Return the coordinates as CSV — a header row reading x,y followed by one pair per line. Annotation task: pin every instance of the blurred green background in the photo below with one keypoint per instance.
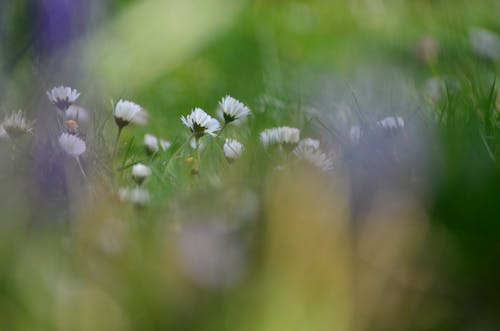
x,y
305,254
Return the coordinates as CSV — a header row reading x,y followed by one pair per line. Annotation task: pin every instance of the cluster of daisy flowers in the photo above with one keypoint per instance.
x,y
69,119
483,43
199,124
15,125
287,140
390,124
231,112
137,195
71,139
234,112
284,141
69,116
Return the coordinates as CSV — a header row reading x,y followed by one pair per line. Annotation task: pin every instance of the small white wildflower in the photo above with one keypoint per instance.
x,y
314,157
355,134
16,125
137,196
485,43
72,145
269,137
280,135
309,150
127,112
391,123
165,144
153,144
308,143
77,113
63,97
232,110
140,172
435,89
287,135
232,149
200,123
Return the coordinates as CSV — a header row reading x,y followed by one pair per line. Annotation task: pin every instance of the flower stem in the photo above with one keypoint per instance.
x,y
115,149
222,129
198,157
174,155
58,118
80,167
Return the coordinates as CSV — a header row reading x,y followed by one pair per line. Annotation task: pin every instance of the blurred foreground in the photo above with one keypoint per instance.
x,y
383,215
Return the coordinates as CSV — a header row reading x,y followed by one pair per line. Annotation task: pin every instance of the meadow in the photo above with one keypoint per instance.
x,y
250,165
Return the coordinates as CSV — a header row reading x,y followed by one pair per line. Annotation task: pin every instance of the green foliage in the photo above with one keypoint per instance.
x,y
403,235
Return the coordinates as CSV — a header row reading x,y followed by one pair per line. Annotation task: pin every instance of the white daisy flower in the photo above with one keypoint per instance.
x,y
153,144
63,97
288,136
201,123
309,150
127,112
72,145
269,137
77,113
232,149
435,89
314,157
232,110
308,143
355,134
485,43
16,125
140,172
283,135
165,144
137,196
391,123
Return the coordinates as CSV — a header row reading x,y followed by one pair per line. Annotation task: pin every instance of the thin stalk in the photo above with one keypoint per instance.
x,y
59,125
177,152
80,167
222,129
115,149
198,156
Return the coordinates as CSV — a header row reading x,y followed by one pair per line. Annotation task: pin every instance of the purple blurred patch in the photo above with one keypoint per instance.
x,y
59,23
50,185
